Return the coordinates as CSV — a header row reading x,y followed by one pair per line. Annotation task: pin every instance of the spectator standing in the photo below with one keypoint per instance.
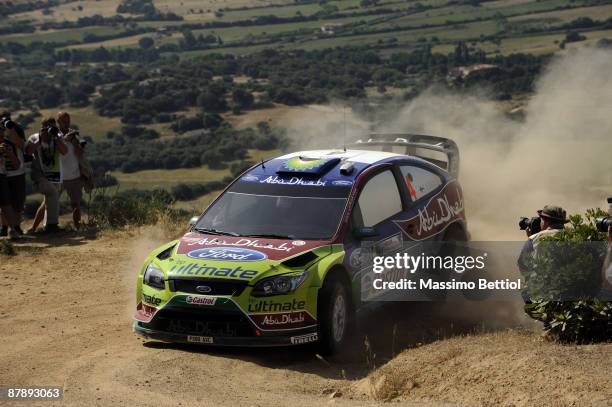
x,y
14,138
7,158
71,168
47,148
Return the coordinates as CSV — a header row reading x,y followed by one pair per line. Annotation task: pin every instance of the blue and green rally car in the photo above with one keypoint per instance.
x,y
275,259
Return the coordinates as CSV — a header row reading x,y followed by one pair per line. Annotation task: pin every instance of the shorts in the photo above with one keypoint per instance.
x,y
17,186
74,188
5,196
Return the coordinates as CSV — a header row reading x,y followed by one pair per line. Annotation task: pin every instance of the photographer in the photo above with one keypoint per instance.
x,y
552,221
71,182
47,148
10,160
14,137
606,288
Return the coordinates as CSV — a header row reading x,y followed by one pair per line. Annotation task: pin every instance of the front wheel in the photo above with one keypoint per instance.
x,y
335,314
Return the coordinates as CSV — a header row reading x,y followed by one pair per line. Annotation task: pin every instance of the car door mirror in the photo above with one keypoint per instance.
x,y
193,220
364,232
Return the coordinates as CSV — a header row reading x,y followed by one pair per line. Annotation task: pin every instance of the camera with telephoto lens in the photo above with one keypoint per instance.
x,y
604,222
8,124
53,131
532,223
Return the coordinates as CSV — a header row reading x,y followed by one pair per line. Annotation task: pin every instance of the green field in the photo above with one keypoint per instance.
x,y
166,179
72,34
443,22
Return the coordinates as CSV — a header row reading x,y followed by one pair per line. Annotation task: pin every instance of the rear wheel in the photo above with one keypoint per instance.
x,y
334,314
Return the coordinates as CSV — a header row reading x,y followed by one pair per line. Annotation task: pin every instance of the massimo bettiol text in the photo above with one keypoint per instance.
x,y
403,271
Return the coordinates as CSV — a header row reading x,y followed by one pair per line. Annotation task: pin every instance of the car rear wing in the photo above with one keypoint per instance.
x,y
440,151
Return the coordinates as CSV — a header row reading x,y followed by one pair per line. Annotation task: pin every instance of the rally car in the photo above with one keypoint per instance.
x,y
275,259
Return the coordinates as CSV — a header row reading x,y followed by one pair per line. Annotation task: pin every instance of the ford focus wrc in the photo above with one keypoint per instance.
x,y
275,259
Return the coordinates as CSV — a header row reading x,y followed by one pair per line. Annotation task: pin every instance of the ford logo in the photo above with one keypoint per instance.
x,y
203,289
227,254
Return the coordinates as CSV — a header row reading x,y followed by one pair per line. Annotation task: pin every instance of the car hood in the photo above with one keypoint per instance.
x,y
229,257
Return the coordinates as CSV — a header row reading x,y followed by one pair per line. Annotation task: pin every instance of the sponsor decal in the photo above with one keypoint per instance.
x,y
436,215
199,339
227,254
299,163
298,243
200,300
342,183
254,243
298,340
148,311
356,258
272,306
151,299
273,179
287,320
250,178
204,270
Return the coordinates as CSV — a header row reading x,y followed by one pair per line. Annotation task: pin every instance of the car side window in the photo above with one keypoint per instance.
x,y
420,182
379,199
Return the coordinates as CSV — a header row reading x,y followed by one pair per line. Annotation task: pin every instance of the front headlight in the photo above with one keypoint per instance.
x,y
279,285
154,277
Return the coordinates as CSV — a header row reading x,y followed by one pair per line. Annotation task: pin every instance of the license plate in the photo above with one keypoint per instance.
x,y
199,339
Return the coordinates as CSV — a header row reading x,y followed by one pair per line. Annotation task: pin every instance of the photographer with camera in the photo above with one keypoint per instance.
x,y
72,182
8,159
550,221
14,138
605,224
47,147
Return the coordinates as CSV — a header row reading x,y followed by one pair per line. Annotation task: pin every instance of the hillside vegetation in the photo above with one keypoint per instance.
x,y
206,87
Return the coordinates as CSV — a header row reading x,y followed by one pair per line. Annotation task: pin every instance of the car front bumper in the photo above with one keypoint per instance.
x,y
294,337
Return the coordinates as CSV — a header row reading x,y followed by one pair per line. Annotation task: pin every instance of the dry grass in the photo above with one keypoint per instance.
x,y
89,122
504,368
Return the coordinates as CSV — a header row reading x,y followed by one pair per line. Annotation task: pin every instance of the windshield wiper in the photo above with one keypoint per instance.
x,y
215,232
271,236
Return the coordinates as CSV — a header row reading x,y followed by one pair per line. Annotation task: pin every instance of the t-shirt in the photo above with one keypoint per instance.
x,y
12,171
47,162
70,162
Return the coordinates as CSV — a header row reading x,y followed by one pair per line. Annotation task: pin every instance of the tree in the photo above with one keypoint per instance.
x,y
212,102
146,42
212,120
189,40
243,98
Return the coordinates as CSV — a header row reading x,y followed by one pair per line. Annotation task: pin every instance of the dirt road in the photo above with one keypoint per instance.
x,y
65,318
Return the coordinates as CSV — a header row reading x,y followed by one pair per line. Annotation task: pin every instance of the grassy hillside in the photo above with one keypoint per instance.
x,y
242,25
134,78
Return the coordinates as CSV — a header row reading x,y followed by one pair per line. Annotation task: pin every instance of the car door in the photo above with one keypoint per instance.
x,y
379,204
421,185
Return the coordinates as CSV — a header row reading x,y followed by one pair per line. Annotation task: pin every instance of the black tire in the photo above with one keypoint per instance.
x,y
335,315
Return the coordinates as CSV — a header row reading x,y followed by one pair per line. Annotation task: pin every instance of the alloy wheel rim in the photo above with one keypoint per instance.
x,y
339,318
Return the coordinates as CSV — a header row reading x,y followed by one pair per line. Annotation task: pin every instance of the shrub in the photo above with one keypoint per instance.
x,y
572,272
7,248
130,207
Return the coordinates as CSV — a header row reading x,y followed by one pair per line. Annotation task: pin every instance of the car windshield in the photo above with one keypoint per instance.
x,y
276,211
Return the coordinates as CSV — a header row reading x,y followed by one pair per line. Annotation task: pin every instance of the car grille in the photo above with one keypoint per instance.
x,y
216,287
201,322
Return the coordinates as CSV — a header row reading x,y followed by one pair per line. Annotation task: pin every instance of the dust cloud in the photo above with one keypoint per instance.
x,y
140,242
559,154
